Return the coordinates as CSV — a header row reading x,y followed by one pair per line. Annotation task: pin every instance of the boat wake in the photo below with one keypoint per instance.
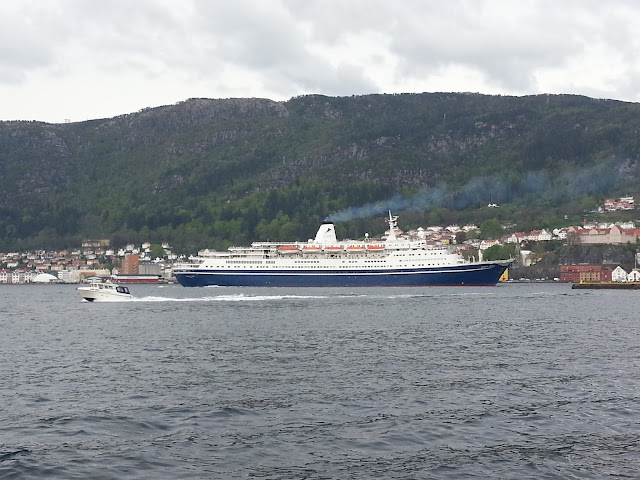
x,y
285,297
108,300
228,298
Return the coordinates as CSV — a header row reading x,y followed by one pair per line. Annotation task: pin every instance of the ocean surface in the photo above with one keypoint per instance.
x,y
518,381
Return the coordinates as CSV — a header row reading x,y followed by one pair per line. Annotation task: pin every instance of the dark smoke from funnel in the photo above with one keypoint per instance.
x,y
498,188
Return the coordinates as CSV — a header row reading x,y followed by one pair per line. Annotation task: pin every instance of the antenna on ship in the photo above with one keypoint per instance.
x,y
393,226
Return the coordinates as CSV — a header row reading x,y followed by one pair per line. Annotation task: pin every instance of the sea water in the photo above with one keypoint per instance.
x,y
518,381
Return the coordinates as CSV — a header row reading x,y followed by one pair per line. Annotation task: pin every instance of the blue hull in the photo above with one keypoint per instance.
x,y
468,275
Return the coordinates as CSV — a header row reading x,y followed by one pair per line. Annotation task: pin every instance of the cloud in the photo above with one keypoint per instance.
x,y
23,45
154,52
504,46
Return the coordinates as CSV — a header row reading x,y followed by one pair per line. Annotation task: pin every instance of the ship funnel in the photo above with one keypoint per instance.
x,y
326,235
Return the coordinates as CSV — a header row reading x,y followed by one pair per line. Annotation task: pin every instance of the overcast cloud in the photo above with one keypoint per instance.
x,y
79,59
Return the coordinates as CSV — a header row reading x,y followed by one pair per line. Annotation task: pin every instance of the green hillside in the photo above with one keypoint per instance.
x,y
219,172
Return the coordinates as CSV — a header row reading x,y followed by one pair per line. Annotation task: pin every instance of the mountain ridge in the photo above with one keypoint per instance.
x,y
211,170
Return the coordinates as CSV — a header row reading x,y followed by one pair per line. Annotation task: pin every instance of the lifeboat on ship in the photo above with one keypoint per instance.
x,y
311,249
355,248
288,249
334,249
375,248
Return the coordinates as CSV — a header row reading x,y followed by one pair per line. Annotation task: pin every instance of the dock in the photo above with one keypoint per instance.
x,y
607,285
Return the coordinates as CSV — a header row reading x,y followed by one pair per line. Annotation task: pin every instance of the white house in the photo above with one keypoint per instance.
x,y
539,235
516,237
533,235
544,235
5,274
634,276
626,225
20,276
619,274
560,233
488,243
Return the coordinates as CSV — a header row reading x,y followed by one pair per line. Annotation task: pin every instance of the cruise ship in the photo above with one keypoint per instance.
x,y
327,262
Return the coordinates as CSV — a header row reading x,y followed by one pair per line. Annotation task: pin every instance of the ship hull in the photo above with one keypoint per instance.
x,y
461,275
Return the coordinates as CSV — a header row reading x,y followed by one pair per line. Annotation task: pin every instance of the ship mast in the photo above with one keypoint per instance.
x,y
393,227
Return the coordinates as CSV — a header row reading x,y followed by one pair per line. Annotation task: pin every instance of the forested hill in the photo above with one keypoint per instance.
x,y
217,172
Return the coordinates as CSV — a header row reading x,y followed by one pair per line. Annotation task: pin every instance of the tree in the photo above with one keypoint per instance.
x,y
573,238
491,229
500,252
157,251
588,204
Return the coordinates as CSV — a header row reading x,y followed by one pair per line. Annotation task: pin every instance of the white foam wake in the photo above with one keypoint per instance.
x,y
227,298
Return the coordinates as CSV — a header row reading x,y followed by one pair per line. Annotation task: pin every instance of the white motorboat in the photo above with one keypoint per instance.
x,y
105,292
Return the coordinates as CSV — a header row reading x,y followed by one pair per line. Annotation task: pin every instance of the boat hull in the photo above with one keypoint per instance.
x,y
461,275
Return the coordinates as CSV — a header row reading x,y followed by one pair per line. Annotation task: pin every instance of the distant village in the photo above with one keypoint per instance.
x,y
136,264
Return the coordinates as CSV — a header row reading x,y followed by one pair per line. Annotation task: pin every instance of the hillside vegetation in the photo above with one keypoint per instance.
x,y
210,173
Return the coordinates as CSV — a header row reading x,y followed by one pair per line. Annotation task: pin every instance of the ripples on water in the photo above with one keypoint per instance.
x,y
517,381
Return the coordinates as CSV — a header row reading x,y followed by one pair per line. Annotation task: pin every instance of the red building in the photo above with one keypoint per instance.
x,y
585,273
130,265
120,278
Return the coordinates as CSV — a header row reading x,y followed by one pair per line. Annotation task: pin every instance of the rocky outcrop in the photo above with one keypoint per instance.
x,y
550,266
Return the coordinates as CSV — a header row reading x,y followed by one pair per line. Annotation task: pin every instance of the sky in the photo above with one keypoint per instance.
x,y
76,60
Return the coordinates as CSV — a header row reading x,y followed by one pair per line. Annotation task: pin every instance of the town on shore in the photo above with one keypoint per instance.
x,y
147,263
95,258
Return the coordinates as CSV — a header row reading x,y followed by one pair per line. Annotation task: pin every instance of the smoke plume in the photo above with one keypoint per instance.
x,y
494,189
